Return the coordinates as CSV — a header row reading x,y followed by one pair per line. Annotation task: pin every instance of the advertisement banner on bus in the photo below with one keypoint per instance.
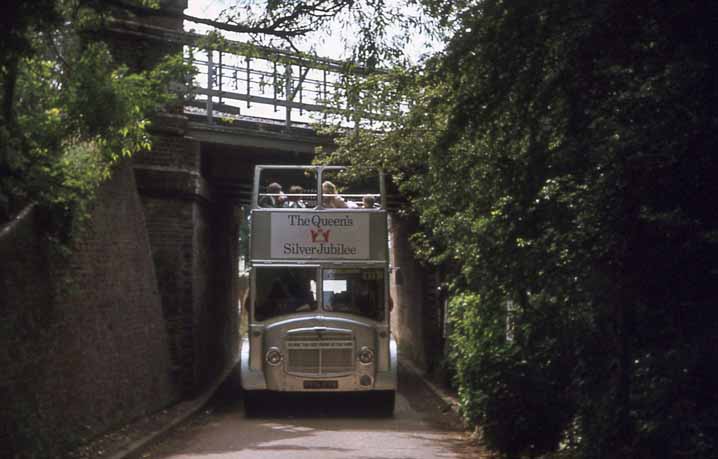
x,y
320,235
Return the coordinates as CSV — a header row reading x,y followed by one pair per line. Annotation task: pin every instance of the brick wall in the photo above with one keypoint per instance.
x,y
173,152
218,302
136,43
170,227
193,235
83,344
416,318
211,296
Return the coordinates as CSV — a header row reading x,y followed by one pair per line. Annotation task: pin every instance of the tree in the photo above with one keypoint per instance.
x,y
560,157
70,112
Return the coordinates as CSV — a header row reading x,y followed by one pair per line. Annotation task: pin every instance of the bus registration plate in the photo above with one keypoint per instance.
x,y
321,384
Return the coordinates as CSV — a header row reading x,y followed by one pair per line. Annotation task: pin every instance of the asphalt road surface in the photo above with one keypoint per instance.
x,y
318,427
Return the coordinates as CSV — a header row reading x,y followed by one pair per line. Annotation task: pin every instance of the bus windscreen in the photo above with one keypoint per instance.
x,y
358,291
281,291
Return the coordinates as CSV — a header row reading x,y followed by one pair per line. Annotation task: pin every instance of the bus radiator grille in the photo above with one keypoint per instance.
x,y
320,358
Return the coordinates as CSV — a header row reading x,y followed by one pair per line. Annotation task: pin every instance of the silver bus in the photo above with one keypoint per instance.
x,y
319,299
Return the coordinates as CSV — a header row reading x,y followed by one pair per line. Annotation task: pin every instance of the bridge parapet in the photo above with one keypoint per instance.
x,y
237,81
268,84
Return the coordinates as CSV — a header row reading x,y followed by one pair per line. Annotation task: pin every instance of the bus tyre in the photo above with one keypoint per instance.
x,y
252,403
384,402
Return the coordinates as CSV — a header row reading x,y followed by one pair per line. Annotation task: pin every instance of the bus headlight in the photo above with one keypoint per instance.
x,y
366,355
274,357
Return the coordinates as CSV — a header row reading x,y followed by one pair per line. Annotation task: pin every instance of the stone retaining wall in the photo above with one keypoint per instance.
x,y
83,343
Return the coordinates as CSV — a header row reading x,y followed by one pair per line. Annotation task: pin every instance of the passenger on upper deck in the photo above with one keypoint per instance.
x,y
293,200
273,188
368,201
333,200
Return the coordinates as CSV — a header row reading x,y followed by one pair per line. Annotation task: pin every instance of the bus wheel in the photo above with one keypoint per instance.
x,y
252,403
384,402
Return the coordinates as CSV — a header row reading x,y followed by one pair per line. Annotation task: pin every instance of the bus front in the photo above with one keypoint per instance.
x,y
319,287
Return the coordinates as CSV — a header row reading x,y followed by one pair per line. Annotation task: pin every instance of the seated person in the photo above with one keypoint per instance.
x,y
276,199
330,198
368,201
275,303
300,296
341,302
293,201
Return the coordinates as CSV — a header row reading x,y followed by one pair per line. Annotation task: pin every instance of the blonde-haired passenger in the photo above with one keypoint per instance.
x,y
330,198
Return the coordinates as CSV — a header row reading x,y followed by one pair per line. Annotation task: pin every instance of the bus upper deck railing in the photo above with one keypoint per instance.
x,y
315,187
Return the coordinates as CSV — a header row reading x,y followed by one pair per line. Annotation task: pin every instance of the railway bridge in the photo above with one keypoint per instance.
x,y
146,311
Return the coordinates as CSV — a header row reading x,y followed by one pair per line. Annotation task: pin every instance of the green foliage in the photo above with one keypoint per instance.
x,y
375,31
561,155
514,369
72,113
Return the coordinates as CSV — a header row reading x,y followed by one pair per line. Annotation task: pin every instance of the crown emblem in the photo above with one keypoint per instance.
x,y
320,235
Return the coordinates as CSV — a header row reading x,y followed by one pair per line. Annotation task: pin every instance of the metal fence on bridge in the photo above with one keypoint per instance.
x,y
278,86
235,80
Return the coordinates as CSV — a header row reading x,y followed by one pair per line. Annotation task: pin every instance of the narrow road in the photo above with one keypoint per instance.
x,y
318,427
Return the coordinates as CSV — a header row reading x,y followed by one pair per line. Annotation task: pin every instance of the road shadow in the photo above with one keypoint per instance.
x,y
415,397
310,425
317,405
230,397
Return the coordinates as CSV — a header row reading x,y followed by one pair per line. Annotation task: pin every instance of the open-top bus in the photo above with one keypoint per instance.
x,y
319,286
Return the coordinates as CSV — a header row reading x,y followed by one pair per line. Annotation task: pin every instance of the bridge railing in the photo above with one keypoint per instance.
x,y
235,80
276,85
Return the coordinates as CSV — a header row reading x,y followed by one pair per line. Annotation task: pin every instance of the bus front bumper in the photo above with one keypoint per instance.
x,y
253,380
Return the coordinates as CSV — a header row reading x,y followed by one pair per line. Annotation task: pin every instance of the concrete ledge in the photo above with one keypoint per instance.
x,y
8,228
258,136
449,401
191,407
120,448
171,182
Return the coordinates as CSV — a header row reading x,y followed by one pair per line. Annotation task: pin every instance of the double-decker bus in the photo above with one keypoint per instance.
x,y
319,287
